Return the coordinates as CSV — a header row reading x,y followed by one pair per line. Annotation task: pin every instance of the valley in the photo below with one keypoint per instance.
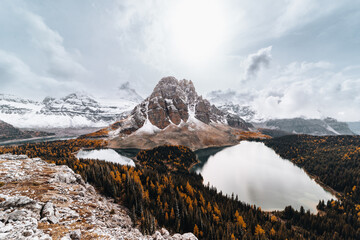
x,y
179,200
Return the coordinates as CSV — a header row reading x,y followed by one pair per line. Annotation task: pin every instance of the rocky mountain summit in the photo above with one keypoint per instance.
x,y
39,200
173,102
174,113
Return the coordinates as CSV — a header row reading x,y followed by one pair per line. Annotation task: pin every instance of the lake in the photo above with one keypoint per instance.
x,y
108,155
259,176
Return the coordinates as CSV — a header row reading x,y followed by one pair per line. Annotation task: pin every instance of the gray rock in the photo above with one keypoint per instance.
x,y
164,232
188,236
157,236
16,215
49,213
16,201
185,236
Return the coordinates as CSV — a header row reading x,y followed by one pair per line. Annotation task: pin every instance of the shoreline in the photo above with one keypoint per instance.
x,y
323,185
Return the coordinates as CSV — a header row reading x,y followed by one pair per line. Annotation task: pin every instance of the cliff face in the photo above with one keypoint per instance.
x,y
175,114
173,102
43,201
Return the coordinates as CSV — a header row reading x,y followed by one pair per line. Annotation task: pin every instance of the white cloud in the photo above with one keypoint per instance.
x,y
17,76
61,63
304,89
256,61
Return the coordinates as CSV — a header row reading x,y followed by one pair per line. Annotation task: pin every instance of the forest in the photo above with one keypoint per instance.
x,y
161,192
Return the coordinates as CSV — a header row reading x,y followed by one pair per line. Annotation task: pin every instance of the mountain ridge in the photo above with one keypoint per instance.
x,y
232,101
73,110
9,132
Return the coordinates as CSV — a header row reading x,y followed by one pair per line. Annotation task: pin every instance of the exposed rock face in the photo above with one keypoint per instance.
x,y
36,203
173,101
175,113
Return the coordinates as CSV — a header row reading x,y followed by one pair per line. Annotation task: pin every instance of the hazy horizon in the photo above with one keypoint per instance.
x,y
283,58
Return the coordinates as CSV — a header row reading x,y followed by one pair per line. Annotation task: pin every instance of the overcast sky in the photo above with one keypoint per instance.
x,y
287,58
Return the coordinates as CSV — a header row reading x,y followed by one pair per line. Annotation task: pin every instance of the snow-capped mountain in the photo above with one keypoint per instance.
x,y
73,110
174,113
319,127
125,92
174,102
235,103
232,102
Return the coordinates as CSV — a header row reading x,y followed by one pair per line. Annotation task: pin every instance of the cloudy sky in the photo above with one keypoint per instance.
x,y
284,58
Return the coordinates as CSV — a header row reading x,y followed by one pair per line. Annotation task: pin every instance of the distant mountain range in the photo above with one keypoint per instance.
x,y
175,114
72,111
319,127
224,100
172,106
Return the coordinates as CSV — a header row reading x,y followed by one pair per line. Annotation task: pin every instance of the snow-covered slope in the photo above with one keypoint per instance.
x,y
73,110
319,127
235,103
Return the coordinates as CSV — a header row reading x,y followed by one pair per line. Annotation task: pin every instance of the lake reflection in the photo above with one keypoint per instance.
x,y
259,176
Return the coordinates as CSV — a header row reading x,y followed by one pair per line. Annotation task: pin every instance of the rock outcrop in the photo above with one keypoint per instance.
x,y
174,113
173,102
43,201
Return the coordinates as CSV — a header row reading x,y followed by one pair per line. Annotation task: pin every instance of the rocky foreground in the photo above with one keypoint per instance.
x,y
39,200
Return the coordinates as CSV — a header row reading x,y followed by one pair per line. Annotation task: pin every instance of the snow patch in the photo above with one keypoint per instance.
x,y
332,130
147,128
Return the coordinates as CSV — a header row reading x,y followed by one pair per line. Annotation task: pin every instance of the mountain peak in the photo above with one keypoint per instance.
x,y
174,108
173,101
126,92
